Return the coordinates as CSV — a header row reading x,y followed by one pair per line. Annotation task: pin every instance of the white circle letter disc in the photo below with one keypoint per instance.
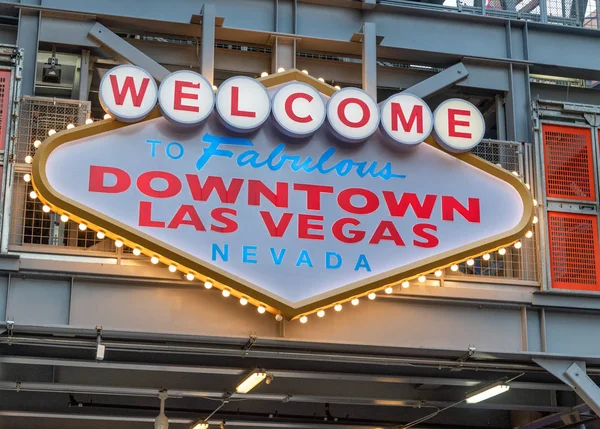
x,y
186,97
128,93
352,114
298,109
459,126
406,119
243,104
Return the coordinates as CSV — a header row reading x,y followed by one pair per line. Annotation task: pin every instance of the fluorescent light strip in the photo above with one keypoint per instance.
x,y
250,382
488,393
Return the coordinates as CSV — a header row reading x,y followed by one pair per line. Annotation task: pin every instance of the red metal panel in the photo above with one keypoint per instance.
x,y
574,256
568,162
4,99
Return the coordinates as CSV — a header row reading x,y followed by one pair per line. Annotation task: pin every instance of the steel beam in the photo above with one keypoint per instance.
x,y
27,39
85,74
113,43
584,386
573,373
440,81
207,64
369,59
283,54
278,373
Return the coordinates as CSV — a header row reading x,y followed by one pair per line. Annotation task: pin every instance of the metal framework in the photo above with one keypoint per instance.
x,y
382,364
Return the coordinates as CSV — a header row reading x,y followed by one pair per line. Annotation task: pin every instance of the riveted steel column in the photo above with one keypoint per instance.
x,y
207,62
369,59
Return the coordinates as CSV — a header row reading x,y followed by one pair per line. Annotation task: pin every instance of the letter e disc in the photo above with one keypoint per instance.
x,y
406,119
186,98
352,114
298,109
243,104
458,125
128,93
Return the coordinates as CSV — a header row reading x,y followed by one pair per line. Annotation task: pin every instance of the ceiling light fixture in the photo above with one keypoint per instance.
x,y
487,392
251,381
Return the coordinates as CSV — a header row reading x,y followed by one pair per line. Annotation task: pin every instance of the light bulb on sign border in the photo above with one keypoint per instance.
x,y
100,235
27,177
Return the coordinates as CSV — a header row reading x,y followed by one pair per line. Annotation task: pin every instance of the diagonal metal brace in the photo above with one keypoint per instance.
x,y
439,81
113,43
574,375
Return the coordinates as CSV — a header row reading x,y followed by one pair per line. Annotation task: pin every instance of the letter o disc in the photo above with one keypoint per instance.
x,y
467,131
128,93
352,114
397,111
243,104
298,109
186,98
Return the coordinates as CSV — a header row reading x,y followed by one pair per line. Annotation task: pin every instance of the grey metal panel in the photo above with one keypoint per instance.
x,y
476,39
572,333
35,301
176,309
565,93
316,20
392,323
533,331
256,14
518,50
489,76
67,32
8,35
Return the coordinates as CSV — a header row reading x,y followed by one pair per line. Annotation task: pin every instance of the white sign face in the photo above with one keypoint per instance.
x,y
298,109
459,126
186,98
352,114
294,225
128,93
243,104
406,119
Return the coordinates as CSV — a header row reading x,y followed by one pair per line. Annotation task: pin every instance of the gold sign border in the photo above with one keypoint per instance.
x,y
239,287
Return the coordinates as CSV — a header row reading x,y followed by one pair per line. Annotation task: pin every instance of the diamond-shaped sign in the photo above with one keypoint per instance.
x,y
294,225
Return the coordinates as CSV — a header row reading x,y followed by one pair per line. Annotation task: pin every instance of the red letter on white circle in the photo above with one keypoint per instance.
x,y
352,114
406,119
459,125
128,93
243,104
186,97
298,109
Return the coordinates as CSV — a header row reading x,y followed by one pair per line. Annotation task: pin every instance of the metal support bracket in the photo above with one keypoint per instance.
x,y
439,81
109,40
573,373
207,57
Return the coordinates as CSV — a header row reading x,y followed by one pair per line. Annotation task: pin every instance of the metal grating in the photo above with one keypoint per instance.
x,y
568,162
33,229
574,257
4,109
517,264
38,115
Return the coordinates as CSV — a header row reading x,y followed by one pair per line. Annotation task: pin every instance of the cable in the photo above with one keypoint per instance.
x,y
435,413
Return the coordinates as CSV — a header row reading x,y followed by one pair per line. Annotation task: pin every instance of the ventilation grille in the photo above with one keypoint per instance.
x,y
568,163
4,108
574,255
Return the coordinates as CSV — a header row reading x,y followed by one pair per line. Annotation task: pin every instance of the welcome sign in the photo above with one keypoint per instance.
x,y
282,191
